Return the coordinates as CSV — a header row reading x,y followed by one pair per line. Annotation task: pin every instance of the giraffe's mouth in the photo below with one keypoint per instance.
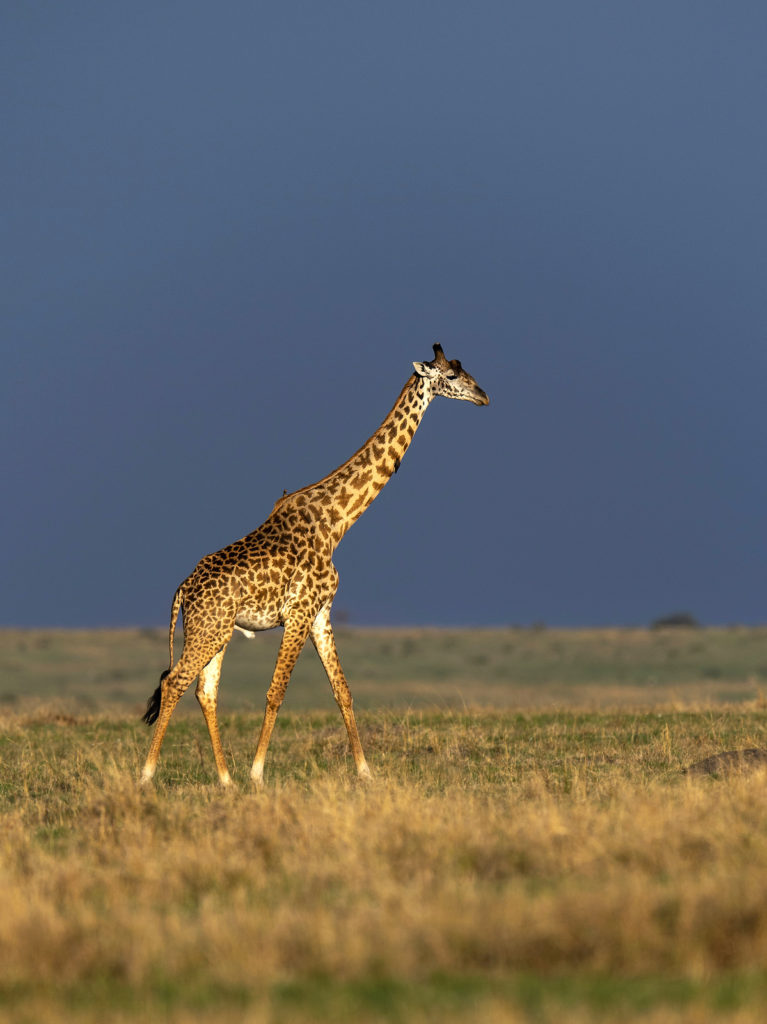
x,y
481,398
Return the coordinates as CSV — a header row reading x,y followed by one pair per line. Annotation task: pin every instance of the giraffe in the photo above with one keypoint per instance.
x,y
282,574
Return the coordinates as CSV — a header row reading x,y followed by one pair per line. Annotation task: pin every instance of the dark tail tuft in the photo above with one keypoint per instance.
x,y
153,704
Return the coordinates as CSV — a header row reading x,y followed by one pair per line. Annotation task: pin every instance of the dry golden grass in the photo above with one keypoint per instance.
x,y
500,867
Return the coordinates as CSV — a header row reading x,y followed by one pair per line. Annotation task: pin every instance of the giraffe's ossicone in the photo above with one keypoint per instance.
x,y
282,574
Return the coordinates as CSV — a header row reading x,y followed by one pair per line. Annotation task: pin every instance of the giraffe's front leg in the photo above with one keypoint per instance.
x,y
322,637
293,639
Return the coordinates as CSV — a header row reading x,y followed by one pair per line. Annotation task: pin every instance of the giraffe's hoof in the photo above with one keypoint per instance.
x,y
363,774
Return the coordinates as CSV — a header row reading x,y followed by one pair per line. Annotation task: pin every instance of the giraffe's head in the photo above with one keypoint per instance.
x,y
448,378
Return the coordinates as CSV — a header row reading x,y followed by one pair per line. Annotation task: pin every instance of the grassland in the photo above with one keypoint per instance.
x,y
529,849
416,668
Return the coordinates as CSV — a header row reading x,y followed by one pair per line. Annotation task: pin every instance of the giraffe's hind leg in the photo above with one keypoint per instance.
x,y
193,659
207,696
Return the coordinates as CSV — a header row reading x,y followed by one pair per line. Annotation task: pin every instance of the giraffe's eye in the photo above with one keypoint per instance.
x,y
450,375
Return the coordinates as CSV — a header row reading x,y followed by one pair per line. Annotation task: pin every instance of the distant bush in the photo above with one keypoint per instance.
x,y
677,620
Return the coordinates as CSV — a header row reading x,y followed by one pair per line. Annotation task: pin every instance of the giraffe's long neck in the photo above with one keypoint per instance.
x,y
338,500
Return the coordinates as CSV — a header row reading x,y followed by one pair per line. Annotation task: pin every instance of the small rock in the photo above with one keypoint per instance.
x,y
730,761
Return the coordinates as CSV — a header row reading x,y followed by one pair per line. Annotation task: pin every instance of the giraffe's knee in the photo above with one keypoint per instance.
x,y
275,695
345,702
205,688
343,696
207,699
173,685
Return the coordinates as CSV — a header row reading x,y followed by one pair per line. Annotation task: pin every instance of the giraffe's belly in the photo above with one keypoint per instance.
x,y
252,621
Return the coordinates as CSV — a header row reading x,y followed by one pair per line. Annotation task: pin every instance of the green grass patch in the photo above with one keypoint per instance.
x,y
528,998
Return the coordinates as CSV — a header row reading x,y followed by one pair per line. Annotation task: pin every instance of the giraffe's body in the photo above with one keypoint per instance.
x,y
282,574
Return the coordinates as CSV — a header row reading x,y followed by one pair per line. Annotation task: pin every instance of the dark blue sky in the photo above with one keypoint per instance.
x,y
229,229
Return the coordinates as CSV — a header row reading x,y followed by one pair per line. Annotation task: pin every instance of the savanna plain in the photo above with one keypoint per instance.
x,y
529,849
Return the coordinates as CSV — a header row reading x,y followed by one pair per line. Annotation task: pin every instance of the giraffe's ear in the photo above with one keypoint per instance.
x,y
424,370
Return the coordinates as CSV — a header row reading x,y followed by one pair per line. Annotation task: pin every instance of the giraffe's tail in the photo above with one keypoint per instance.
x,y
153,704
